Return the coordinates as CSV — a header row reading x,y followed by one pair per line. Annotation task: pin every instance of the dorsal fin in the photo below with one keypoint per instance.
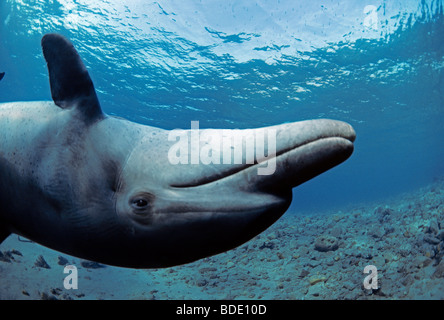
x,y
71,85
2,74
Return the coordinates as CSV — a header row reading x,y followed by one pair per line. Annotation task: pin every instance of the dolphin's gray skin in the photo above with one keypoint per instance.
x,y
101,188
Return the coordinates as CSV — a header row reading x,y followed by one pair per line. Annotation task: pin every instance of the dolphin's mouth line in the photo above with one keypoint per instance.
x,y
230,173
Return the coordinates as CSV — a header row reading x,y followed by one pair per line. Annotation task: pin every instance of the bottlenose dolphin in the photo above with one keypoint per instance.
x,y
101,188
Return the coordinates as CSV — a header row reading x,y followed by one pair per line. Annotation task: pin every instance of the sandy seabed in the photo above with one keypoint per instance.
x,y
316,256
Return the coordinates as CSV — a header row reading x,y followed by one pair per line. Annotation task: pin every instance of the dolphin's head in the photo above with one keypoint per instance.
x,y
190,194
137,196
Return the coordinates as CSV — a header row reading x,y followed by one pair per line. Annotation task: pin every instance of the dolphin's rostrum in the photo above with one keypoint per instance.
x,y
101,188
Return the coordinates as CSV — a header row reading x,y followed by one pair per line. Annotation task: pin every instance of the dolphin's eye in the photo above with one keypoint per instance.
x,y
139,203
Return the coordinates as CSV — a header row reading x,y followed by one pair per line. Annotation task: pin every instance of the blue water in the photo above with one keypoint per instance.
x,y
239,64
